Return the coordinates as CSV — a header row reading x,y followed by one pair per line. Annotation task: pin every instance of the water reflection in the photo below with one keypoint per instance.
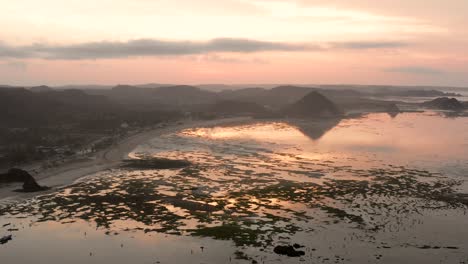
x,y
314,129
256,185
421,139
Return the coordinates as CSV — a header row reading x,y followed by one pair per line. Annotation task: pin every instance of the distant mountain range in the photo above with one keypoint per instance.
x,y
43,104
225,87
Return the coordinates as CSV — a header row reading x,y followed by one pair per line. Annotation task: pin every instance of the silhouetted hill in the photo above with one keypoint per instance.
x,y
332,93
215,87
283,95
169,97
227,107
132,97
180,89
152,85
189,98
425,93
245,94
23,108
313,104
79,100
40,89
127,92
184,95
290,91
444,103
413,92
19,106
276,97
83,87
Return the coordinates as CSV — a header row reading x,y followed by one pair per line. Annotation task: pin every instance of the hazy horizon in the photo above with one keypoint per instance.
x,y
221,86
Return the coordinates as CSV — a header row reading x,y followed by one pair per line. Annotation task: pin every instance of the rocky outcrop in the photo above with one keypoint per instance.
x,y
289,251
18,175
444,103
5,239
313,104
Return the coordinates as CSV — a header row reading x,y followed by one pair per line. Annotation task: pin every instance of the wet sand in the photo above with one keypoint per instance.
x,y
73,170
256,185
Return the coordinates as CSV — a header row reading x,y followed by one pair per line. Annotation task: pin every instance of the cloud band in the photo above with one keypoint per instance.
x,y
154,47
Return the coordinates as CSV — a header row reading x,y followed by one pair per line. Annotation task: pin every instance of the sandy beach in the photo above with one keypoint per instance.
x,y
70,171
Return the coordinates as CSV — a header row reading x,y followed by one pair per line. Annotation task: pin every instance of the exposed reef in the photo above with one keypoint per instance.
x,y
155,163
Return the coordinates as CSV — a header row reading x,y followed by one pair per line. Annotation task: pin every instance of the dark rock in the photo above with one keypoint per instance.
x,y
14,175
289,251
444,103
425,247
5,239
18,175
296,245
30,185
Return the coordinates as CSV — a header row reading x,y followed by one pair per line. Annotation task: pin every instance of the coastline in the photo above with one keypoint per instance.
x,y
71,171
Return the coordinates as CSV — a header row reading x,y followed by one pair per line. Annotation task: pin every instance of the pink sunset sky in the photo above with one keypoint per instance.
x,y
399,42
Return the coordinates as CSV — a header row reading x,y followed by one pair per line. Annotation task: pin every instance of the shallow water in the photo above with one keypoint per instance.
x,y
373,189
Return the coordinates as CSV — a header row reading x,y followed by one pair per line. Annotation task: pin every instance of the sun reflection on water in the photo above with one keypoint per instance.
x,y
257,185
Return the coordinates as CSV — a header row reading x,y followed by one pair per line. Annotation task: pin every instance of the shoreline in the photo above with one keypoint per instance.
x,y
71,171
81,167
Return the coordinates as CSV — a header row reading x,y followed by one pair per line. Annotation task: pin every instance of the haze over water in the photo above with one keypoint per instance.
x,y
369,189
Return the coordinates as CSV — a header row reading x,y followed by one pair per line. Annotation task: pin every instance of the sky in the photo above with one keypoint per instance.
x,y
395,42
